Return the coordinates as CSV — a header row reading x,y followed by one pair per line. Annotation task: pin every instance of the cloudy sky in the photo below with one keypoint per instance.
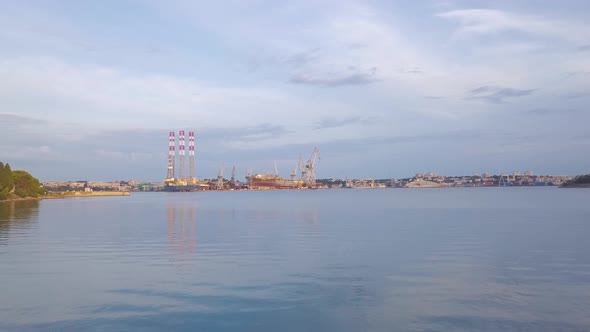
x,y
90,89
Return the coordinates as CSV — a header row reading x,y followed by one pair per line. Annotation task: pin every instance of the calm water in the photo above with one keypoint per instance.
x,y
473,259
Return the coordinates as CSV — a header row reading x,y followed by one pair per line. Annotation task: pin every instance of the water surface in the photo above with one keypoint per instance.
x,y
464,259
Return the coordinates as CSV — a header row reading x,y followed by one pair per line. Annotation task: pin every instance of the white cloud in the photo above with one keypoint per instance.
x,y
91,94
475,22
38,152
119,155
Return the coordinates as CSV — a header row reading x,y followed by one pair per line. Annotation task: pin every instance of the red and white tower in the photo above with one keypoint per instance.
x,y
191,154
181,150
172,144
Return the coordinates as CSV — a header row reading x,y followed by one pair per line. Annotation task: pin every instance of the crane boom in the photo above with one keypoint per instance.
x,y
310,176
220,177
294,173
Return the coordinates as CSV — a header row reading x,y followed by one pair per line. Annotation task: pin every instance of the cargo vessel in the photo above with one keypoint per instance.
x,y
420,183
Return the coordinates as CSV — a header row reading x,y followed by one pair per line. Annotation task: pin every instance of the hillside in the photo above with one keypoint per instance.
x,y
580,181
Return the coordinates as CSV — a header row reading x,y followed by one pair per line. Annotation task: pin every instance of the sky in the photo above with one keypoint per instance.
x,y
385,89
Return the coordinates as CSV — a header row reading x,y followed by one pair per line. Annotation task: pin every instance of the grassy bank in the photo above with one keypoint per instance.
x,y
68,194
17,199
77,194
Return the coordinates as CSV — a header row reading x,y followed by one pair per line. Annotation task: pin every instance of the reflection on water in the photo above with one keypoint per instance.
x,y
17,214
18,210
348,260
181,227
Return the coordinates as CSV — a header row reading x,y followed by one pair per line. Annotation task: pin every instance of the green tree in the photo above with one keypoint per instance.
x,y
3,177
20,183
6,180
26,185
580,179
3,182
10,178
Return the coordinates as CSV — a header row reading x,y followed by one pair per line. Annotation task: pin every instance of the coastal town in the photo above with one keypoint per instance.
x,y
420,180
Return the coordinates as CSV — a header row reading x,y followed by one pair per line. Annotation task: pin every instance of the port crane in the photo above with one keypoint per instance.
x,y
310,176
294,172
303,170
504,180
232,181
220,177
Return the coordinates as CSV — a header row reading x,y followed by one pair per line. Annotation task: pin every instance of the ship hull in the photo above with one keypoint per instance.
x,y
172,188
264,181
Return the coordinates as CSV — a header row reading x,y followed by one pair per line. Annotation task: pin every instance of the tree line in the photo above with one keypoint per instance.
x,y
581,179
18,184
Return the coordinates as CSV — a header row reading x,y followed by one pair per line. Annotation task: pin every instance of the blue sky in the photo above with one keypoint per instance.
x,y
90,90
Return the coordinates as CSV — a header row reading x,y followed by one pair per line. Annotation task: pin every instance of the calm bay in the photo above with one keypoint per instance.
x,y
456,259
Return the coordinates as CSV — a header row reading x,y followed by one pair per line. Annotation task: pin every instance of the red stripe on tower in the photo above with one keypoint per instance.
x,y
181,153
191,153
171,148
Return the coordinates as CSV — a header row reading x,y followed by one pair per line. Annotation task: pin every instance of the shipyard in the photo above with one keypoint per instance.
x,y
178,181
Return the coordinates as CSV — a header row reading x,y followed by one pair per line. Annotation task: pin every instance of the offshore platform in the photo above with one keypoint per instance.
x,y
182,182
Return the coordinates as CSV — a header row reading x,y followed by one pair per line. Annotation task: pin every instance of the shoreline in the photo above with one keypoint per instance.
x,y
79,194
21,199
346,188
576,185
82,194
71,194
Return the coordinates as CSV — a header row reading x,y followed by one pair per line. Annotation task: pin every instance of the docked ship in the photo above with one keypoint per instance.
x,y
272,181
180,188
173,185
420,183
